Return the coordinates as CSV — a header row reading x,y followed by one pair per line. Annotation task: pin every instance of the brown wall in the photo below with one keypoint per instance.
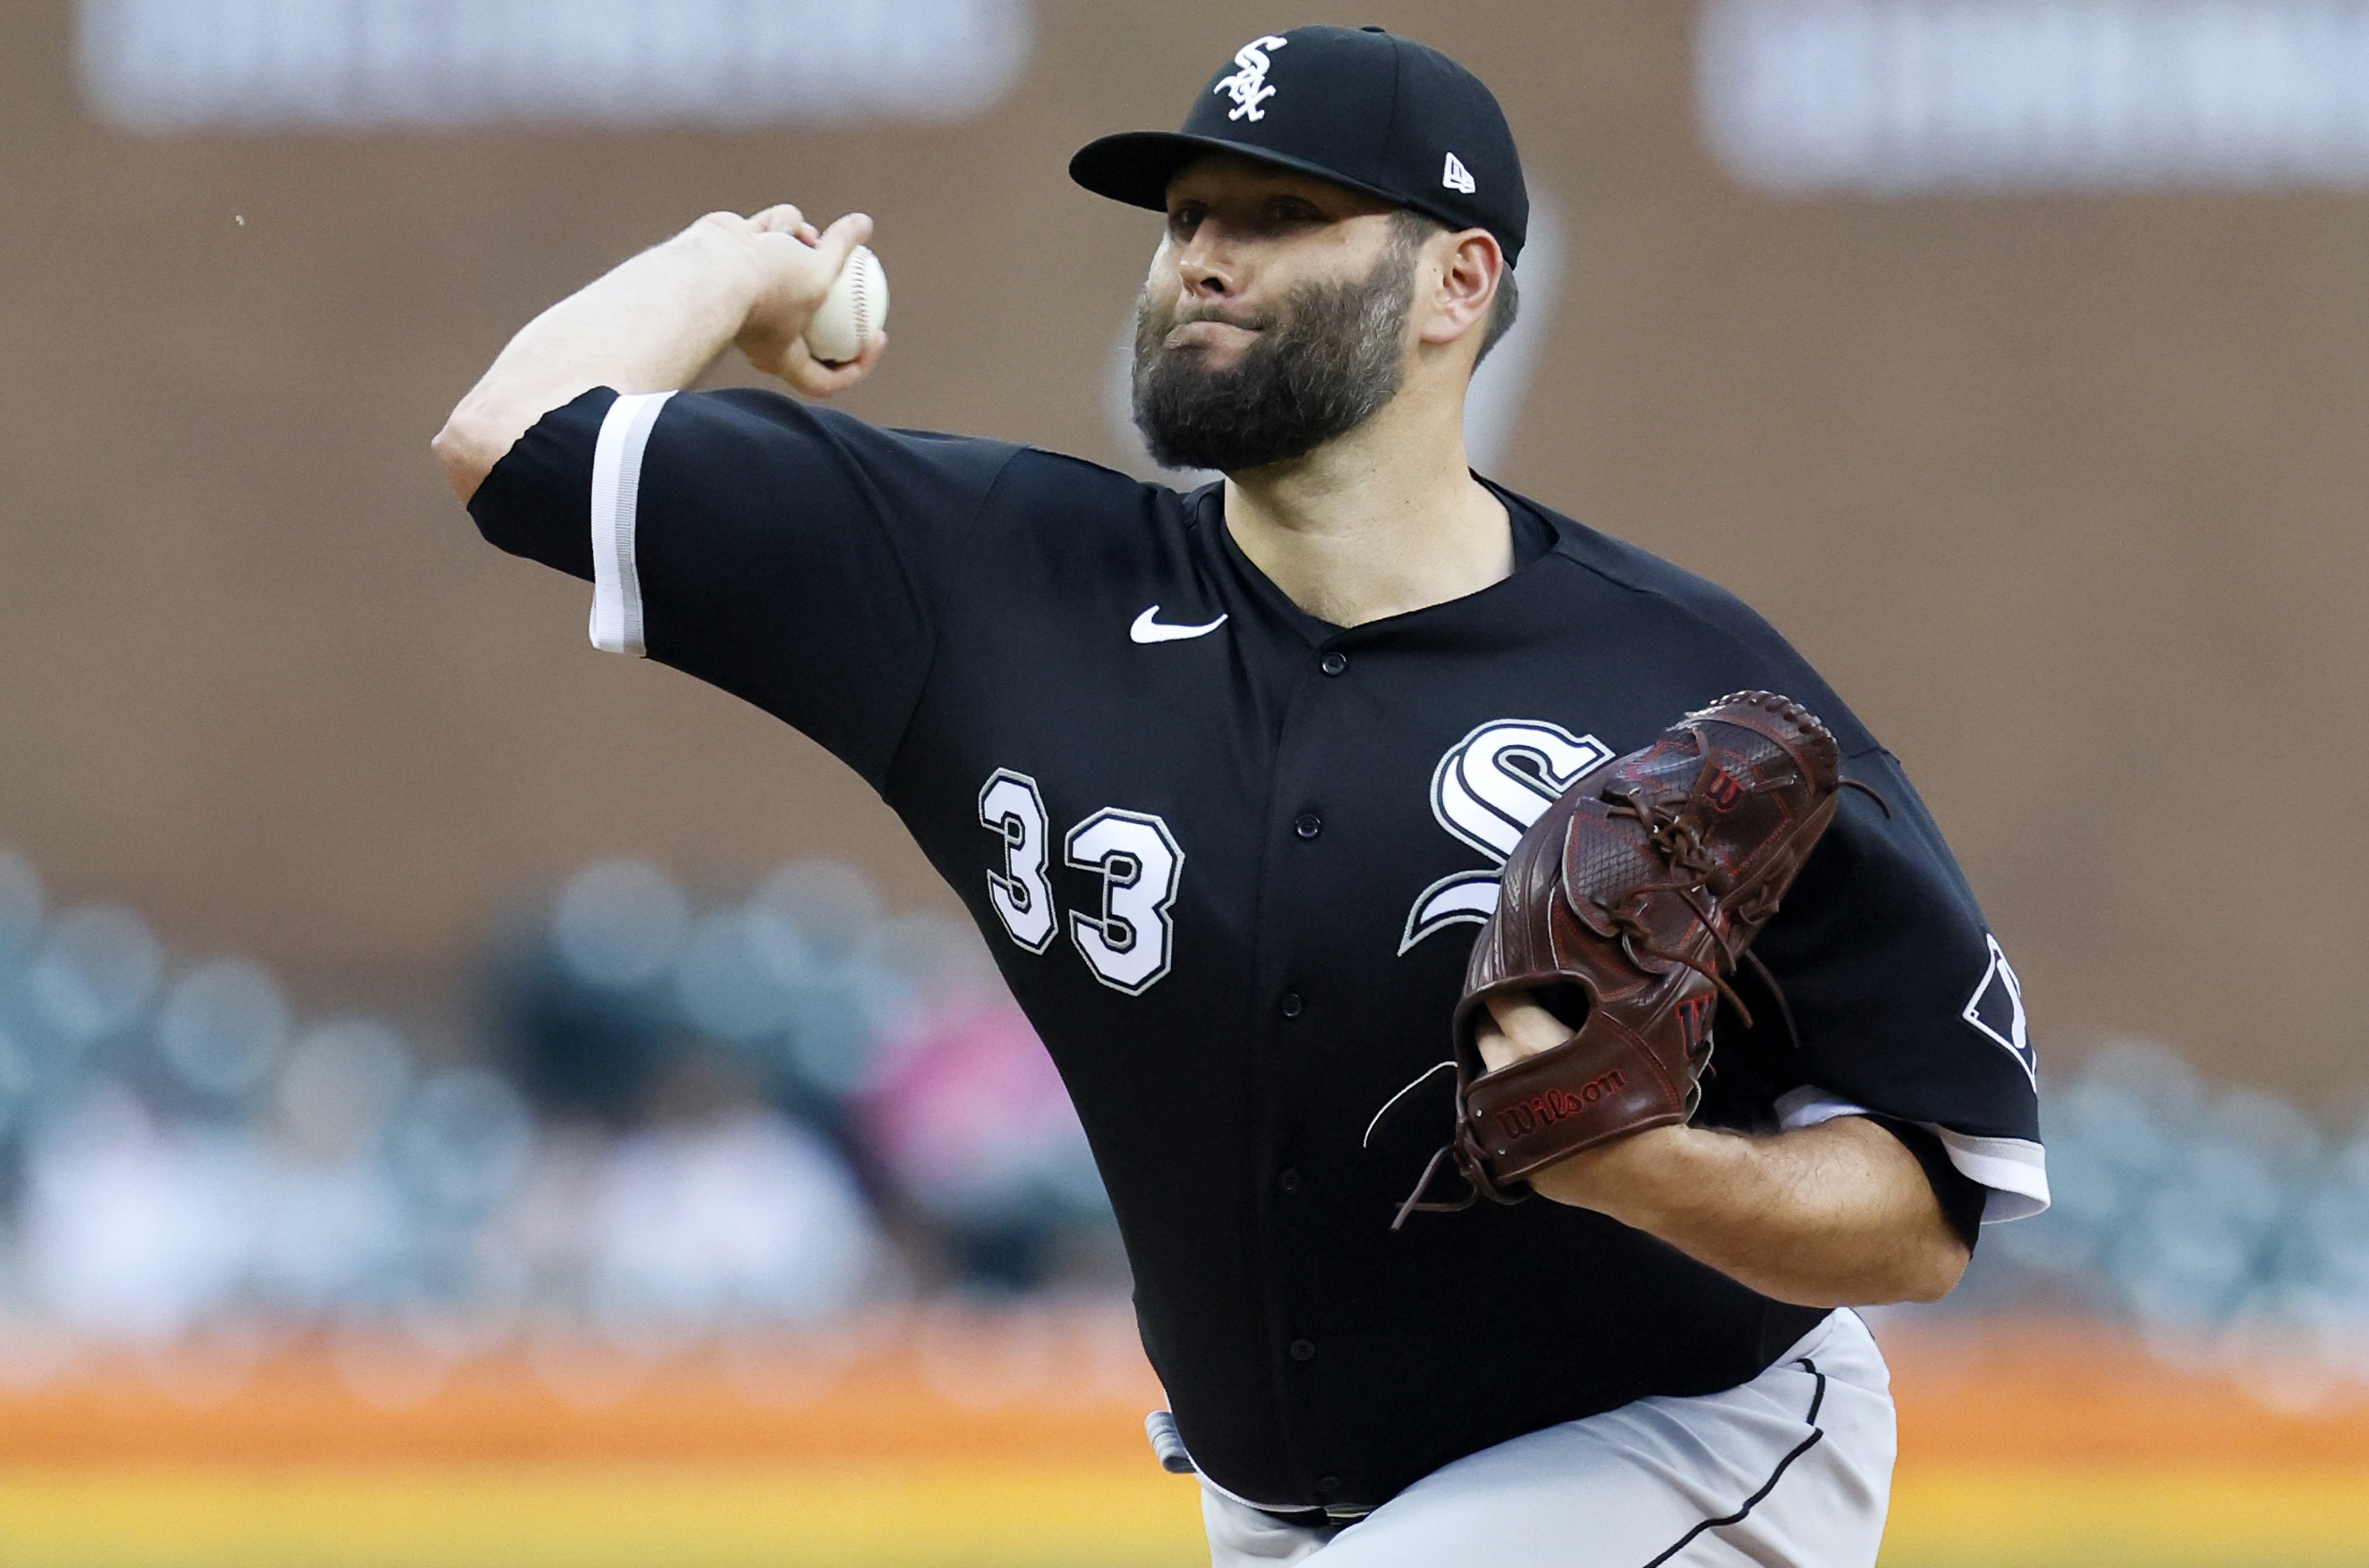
x,y
2065,494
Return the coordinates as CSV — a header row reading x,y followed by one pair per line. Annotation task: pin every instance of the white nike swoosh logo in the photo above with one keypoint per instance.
x,y
1147,630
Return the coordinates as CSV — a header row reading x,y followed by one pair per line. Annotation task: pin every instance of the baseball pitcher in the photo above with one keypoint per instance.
x,y
1517,1008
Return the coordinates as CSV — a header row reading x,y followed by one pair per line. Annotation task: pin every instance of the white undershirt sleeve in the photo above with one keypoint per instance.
x,y
616,496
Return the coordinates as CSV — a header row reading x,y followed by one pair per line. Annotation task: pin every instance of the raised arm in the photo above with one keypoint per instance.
x,y
655,322
1837,1215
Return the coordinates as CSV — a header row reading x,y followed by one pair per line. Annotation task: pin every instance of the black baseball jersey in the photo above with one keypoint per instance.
x,y
1230,860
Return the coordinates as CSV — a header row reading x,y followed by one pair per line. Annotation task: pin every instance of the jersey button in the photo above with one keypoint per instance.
x,y
1290,1004
1334,662
1303,1350
1307,824
1289,1181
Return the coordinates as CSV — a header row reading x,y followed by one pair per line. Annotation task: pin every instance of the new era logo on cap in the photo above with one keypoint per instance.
x,y
1457,177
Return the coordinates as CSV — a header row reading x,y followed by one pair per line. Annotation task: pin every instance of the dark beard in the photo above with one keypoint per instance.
x,y
1323,366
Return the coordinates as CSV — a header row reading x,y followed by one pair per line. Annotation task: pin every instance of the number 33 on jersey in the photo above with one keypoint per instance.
x,y
1129,945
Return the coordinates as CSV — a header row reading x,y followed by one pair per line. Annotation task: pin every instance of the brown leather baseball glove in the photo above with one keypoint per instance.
x,y
1622,910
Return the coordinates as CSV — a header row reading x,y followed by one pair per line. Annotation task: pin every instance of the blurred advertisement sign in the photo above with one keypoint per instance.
x,y
269,64
1892,98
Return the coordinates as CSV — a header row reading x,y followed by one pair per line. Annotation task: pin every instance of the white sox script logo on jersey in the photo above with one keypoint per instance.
x,y
1487,791
1247,87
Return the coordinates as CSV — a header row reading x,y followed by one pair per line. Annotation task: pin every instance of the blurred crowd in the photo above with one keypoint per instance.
x,y
2225,1224
781,1113
664,1124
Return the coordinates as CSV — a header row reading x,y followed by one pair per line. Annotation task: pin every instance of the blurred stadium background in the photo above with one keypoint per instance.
x,y
464,1100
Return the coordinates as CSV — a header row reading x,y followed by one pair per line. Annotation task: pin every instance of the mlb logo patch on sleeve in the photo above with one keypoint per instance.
x,y
1997,1008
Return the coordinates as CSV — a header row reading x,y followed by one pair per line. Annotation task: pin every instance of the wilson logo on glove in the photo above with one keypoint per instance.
x,y
1543,1111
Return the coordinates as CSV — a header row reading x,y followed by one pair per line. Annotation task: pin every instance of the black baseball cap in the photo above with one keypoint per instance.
x,y
1356,106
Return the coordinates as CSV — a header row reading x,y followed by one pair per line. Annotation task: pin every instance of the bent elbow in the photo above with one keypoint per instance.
x,y
1937,1270
466,450
458,457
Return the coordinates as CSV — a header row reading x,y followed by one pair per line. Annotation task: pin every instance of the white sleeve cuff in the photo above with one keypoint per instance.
x,y
2014,1170
616,496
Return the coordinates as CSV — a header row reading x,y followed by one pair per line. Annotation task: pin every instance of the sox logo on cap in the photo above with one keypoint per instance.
x,y
1248,86
1383,115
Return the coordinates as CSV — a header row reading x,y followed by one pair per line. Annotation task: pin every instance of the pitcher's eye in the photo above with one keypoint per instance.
x,y
1185,218
1290,212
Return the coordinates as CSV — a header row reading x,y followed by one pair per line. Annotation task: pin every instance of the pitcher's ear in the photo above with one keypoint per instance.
x,y
1471,268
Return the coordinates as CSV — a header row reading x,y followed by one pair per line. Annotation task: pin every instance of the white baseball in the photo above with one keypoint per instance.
x,y
856,307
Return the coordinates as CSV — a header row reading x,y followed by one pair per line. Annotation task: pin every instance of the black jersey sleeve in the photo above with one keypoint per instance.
x,y
793,556
1897,1001
1901,1004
